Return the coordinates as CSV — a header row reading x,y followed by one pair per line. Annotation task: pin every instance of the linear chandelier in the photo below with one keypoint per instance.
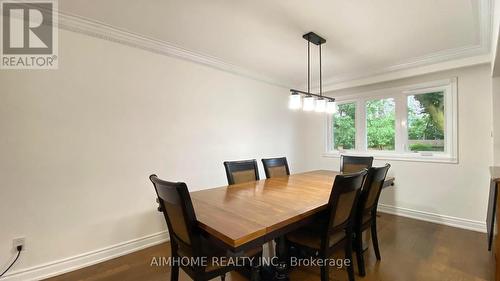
x,y
312,102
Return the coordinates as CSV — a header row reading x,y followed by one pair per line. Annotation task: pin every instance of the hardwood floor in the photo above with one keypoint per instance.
x,y
411,250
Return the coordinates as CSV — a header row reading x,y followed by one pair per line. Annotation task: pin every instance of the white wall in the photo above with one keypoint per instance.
x,y
496,119
77,144
495,51
455,190
495,66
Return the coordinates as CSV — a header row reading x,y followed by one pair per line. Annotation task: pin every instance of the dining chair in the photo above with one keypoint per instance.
x,y
333,228
366,213
241,171
276,167
351,164
186,240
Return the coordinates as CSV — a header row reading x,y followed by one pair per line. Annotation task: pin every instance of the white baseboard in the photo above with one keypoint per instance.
x,y
87,259
479,226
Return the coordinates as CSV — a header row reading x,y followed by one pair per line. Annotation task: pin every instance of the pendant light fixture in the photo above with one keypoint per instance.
x,y
309,102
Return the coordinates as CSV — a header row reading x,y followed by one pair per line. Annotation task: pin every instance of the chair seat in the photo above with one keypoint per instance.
x,y
311,237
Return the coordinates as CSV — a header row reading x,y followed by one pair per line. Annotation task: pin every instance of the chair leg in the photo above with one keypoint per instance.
x,y
325,274
359,253
223,277
348,255
375,238
174,274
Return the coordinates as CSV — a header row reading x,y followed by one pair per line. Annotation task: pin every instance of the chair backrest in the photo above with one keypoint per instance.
x,y
276,167
372,187
343,199
241,171
175,203
352,164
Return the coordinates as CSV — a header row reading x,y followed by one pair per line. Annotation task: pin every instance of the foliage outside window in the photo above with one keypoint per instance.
x,y
409,122
426,124
344,124
380,124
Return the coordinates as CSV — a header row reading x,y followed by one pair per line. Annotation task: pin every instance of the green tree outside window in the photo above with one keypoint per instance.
x,y
344,126
380,124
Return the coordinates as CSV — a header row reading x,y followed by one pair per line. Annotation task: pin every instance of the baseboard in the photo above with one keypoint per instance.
x,y
478,226
87,259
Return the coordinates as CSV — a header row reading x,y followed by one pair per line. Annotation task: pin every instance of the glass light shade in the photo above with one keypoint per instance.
x,y
320,105
295,101
331,107
308,103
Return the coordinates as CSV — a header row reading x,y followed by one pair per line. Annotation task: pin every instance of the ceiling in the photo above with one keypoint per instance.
x,y
265,37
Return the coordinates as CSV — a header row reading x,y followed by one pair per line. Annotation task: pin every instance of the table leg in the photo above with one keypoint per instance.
x,y
282,269
255,274
271,249
281,251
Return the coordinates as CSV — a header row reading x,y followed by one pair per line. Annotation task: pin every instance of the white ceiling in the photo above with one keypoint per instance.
x,y
363,36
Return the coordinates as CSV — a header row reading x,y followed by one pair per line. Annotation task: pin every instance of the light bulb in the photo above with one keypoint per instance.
x,y
295,101
331,107
308,103
320,105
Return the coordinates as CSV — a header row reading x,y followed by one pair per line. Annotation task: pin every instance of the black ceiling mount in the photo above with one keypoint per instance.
x,y
314,38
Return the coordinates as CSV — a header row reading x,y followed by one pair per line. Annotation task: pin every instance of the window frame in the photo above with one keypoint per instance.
x,y
329,128
400,96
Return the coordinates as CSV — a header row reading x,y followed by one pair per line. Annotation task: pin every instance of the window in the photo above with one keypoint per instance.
x,y
426,122
416,122
381,124
344,123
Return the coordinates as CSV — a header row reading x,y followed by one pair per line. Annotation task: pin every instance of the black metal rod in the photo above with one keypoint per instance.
x,y
320,82
311,94
308,65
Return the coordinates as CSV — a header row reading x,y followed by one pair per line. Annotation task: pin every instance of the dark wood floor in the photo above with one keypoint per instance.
x,y
411,250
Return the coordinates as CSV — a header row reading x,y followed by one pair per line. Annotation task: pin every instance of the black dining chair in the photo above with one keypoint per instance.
x,y
186,239
351,164
333,228
241,171
366,213
276,167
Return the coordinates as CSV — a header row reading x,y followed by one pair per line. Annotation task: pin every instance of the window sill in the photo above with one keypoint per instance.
x,y
407,157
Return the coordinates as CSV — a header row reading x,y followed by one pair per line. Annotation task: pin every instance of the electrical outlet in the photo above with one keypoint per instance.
x,y
20,241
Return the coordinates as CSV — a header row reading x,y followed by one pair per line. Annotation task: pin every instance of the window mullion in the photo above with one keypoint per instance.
x,y
361,125
401,135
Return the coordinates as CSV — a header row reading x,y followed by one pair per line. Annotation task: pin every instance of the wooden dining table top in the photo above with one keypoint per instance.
x,y
240,213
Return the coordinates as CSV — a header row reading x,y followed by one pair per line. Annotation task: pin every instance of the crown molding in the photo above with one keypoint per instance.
x,y
409,72
438,61
104,31
442,60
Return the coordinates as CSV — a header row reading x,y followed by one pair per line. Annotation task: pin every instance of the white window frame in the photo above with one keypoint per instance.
x,y
400,96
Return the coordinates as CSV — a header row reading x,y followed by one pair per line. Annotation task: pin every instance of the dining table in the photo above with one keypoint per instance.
x,y
243,216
